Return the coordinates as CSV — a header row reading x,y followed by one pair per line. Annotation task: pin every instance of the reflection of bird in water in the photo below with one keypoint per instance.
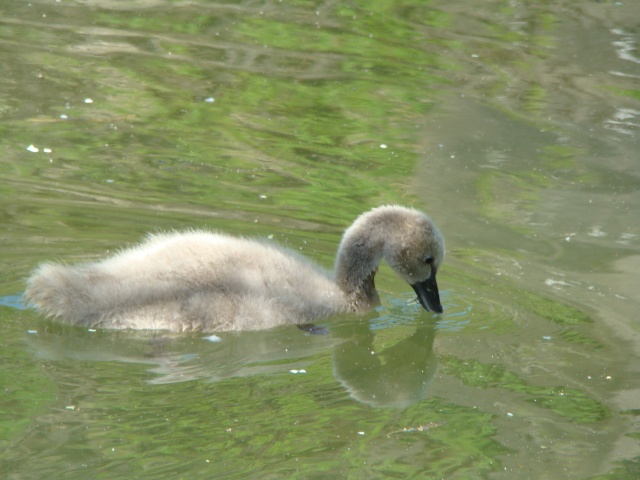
x,y
201,281
182,358
397,376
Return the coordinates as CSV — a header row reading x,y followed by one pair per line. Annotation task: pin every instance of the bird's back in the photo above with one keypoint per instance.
x,y
189,281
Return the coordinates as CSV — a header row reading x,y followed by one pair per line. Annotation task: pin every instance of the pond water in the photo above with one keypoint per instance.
x,y
515,125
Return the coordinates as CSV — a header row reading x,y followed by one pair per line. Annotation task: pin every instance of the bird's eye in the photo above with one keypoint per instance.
x,y
428,260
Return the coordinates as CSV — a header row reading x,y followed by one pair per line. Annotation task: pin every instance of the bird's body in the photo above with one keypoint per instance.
x,y
205,281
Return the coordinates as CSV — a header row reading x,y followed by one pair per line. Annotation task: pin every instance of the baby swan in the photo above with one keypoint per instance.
x,y
203,281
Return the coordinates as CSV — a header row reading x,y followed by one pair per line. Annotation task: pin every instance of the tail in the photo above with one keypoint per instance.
x,y
61,292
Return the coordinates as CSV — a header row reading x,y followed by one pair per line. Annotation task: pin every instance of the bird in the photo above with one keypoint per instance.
x,y
206,281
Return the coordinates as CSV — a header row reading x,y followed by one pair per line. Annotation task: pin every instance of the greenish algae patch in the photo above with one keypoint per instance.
x,y
457,440
510,198
628,469
535,98
624,92
309,144
551,310
570,403
569,334
26,389
295,411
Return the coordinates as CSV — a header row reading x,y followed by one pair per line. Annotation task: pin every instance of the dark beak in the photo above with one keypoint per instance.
x,y
428,295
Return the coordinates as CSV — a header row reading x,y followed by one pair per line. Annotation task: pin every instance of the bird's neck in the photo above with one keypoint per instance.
x,y
365,297
356,267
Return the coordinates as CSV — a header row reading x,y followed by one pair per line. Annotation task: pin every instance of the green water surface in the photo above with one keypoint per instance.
x,y
287,120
